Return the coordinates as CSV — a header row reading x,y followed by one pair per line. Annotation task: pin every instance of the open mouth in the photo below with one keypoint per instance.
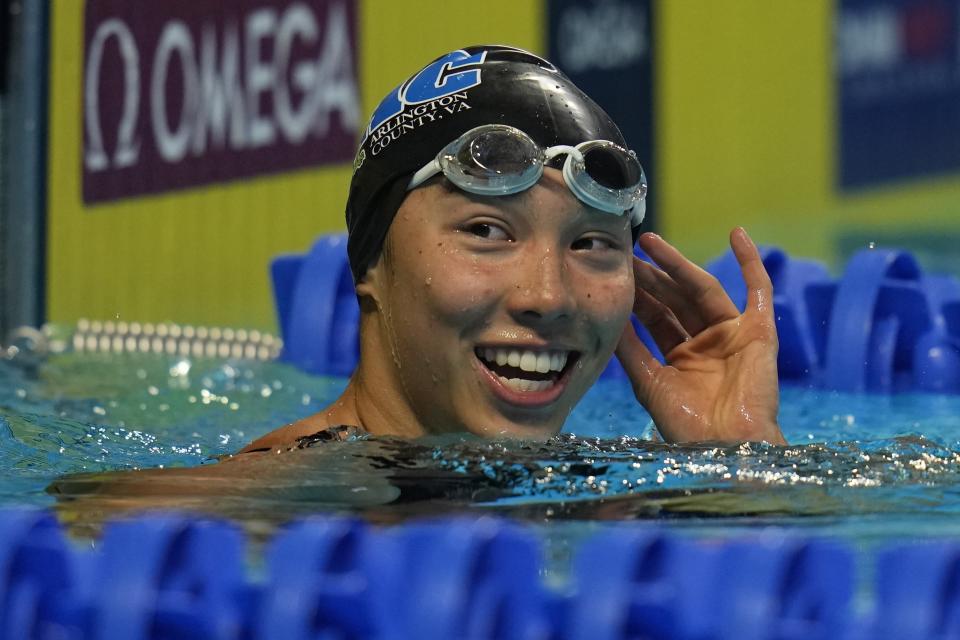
x,y
526,370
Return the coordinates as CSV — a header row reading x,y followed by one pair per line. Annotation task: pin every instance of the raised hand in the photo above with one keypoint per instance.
x,y
719,382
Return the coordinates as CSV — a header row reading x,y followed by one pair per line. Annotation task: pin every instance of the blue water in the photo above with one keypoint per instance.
x,y
872,469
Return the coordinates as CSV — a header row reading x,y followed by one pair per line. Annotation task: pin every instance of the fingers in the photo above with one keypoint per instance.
x,y
695,296
637,361
661,287
759,285
664,327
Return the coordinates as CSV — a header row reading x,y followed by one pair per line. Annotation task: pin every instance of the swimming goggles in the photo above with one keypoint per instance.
x,y
499,160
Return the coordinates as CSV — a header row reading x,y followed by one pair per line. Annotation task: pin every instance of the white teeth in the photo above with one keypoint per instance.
x,y
527,360
522,385
558,360
543,363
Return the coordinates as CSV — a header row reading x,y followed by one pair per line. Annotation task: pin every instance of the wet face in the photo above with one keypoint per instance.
x,y
496,314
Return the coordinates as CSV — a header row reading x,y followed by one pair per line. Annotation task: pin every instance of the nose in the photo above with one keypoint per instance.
x,y
542,292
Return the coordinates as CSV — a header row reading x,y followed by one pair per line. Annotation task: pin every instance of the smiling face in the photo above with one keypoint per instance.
x,y
492,315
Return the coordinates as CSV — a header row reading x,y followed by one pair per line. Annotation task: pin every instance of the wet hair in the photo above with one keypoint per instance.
x,y
456,92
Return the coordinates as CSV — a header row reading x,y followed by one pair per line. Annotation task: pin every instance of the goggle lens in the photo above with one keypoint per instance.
x,y
611,170
494,161
607,177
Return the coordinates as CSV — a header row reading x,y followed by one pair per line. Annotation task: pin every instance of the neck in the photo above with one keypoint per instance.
x,y
375,392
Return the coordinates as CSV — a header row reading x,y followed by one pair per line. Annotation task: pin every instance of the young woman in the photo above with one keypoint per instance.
x,y
492,216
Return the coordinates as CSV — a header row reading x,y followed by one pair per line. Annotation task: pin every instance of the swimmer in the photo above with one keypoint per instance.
x,y
491,216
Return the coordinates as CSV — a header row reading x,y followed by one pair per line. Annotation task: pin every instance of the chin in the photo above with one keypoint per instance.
x,y
509,430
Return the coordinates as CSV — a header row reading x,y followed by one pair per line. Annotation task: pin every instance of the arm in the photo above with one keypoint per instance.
x,y
273,487
720,377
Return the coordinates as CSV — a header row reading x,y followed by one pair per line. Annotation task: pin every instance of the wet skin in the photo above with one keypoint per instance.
x,y
719,382
461,276
537,272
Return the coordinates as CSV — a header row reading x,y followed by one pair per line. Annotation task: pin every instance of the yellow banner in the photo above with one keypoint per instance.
x,y
745,133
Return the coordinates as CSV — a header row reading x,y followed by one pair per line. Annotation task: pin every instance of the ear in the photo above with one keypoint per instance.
x,y
370,286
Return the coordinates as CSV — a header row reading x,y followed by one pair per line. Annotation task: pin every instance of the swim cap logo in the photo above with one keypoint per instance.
x,y
441,86
358,161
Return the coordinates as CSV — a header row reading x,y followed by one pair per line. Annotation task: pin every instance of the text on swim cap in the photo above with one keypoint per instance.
x,y
444,77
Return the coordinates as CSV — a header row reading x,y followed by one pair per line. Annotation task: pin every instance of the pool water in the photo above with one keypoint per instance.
x,y
870,469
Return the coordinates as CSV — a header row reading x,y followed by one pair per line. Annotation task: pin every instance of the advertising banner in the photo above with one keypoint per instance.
x,y
604,46
191,142
898,75
188,92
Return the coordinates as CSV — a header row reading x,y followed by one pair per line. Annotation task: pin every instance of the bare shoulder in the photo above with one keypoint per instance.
x,y
288,435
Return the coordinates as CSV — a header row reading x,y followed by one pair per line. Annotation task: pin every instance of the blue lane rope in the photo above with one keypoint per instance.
x,y
882,326
176,576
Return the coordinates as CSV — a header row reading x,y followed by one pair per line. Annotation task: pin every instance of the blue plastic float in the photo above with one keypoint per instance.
x,y
882,326
317,309
173,576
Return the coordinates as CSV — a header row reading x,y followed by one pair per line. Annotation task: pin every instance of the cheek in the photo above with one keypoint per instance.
x,y
611,300
460,289
448,290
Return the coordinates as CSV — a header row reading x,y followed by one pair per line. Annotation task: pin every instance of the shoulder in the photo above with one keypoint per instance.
x,y
315,428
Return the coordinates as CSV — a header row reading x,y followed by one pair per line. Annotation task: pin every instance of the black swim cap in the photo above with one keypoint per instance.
x,y
456,92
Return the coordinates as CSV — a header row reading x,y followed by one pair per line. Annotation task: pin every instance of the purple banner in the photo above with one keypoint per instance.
x,y
188,92
897,68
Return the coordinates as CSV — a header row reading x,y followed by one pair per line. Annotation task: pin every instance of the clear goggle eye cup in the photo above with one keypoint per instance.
x,y
502,160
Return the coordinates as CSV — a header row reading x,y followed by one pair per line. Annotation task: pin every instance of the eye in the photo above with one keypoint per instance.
x,y
593,243
487,231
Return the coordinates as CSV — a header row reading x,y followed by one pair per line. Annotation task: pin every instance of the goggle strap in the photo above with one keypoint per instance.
x,y
425,173
559,150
